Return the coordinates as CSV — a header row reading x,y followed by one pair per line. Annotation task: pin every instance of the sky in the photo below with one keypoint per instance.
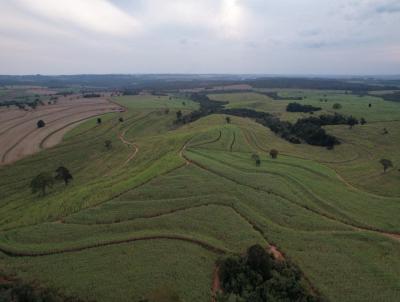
x,y
285,37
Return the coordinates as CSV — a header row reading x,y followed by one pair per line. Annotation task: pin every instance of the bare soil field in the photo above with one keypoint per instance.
x,y
20,136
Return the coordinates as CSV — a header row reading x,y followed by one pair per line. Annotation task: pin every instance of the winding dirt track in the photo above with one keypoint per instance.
x,y
20,136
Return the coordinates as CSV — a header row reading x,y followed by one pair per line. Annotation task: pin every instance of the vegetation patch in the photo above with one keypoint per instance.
x,y
258,276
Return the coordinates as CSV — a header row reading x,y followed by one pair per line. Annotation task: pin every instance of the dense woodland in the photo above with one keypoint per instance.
x,y
307,130
296,107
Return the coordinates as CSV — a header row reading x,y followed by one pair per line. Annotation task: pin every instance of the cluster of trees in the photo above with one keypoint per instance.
x,y
91,95
393,97
131,92
307,130
45,180
207,107
296,107
275,96
257,276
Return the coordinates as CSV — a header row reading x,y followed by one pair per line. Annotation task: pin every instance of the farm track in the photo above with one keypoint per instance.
x,y
135,147
395,236
233,142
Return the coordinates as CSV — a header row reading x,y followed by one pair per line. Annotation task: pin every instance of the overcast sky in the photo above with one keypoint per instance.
x,y
200,36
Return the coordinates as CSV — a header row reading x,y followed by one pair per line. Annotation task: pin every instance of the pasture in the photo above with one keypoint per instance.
x,y
160,206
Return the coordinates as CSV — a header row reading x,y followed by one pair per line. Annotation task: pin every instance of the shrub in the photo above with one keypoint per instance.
x,y
273,153
41,124
386,163
63,174
337,106
40,182
108,144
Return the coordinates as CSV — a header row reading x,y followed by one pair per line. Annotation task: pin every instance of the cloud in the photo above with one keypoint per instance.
x,y
93,15
389,7
244,36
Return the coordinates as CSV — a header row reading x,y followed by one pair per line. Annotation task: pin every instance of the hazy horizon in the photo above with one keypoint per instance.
x,y
253,37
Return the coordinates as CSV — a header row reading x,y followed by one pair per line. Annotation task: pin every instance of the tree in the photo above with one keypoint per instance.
x,y
108,144
40,182
121,119
63,174
385,131
179,115
363,121
369,105
166,111
337,106
386,163
256,158
351,121
99,121
228,119
41,124
273,153
258,260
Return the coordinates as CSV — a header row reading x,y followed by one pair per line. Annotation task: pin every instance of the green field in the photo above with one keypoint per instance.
x,y
166,201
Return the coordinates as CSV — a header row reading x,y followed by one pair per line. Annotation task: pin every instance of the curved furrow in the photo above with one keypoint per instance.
x,y
206,245
395,236
20,140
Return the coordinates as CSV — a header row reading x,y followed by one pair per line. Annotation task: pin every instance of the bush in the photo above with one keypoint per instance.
x,y
41,124
337,106
273,153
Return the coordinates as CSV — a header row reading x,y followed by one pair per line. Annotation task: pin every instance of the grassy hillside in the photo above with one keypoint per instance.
x,y
165,202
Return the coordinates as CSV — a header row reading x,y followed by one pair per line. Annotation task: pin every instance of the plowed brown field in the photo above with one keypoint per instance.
x,y
20,136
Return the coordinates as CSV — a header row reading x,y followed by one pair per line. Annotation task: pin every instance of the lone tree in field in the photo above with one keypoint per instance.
x,y
179,115
352,121
273,153
228,120
99,121
337,106
256,158
363,121
386,163
369,105
41,124
166,111
121,119
108,144
40,182
63,174
385,131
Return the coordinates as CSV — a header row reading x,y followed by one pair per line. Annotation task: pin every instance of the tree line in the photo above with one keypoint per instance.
x,y
296,107
307,130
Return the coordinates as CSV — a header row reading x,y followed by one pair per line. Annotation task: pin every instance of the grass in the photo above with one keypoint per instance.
x,y
126,225
134,269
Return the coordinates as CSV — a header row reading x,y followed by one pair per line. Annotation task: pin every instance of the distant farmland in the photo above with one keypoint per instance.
x,y
165,201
